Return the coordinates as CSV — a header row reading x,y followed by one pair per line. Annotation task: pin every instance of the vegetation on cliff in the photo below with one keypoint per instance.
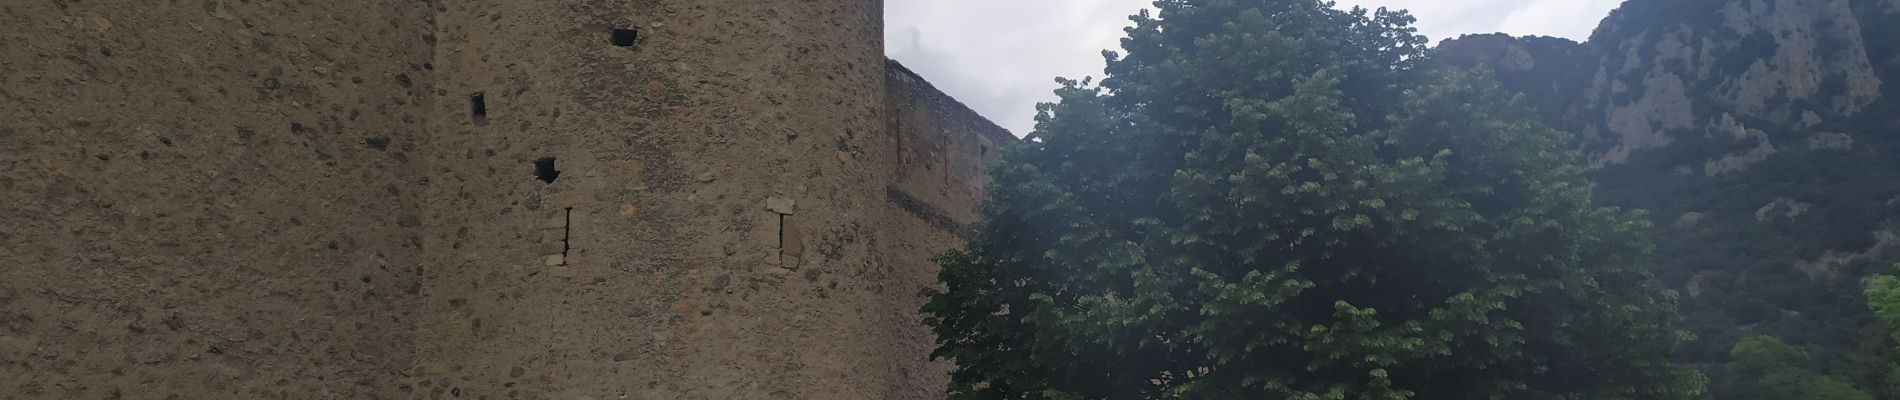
x,y
1763,367
1278,199
1759,136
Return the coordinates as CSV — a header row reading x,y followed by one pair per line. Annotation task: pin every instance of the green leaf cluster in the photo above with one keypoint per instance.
x,y
1765,368
1883,297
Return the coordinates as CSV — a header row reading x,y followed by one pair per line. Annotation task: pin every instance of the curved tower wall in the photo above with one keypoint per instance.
x,y
662,199
716,227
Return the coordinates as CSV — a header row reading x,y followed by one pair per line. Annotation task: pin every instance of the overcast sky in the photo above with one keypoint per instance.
x,y
1001,56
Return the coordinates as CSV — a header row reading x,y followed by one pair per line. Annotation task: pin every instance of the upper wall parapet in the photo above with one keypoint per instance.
x,y
914,84
943,148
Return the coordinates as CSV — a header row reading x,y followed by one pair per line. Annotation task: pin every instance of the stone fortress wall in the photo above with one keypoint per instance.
x,y
661,199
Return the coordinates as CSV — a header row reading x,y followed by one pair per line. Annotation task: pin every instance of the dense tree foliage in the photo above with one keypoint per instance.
x,y
1279,199
1764,368
1883,297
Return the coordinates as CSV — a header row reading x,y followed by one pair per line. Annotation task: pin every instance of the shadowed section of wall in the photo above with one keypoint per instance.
x,y
209,199
936,151
942,146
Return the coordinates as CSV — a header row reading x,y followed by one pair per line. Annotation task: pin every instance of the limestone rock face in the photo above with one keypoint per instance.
x,y
1789,52
1649,83
1815,41
1757,133
1738,161
1661,105
1546,69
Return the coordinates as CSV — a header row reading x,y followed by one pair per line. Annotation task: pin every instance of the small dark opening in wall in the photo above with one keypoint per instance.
x,y
544,170
982,150
624,37
478,108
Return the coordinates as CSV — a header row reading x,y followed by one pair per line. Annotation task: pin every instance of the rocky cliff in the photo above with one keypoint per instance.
x,y
1760,135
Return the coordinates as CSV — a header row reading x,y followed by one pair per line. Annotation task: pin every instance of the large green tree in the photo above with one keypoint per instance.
x,y
1765,368
1883,297
1278,199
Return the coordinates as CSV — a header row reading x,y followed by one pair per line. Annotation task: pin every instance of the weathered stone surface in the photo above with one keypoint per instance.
x,y
780,205
1733,162
1663,105
188,210
1781,208
1830,141
291,200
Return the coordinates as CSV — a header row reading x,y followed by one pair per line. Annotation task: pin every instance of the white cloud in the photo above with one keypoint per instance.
x,y
1001,56
1573,19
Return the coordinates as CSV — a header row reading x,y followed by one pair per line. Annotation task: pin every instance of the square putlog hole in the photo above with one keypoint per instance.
x,y
478,108
625,37
544,170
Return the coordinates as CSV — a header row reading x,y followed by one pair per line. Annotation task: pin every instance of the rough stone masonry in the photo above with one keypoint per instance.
x,y
482,199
